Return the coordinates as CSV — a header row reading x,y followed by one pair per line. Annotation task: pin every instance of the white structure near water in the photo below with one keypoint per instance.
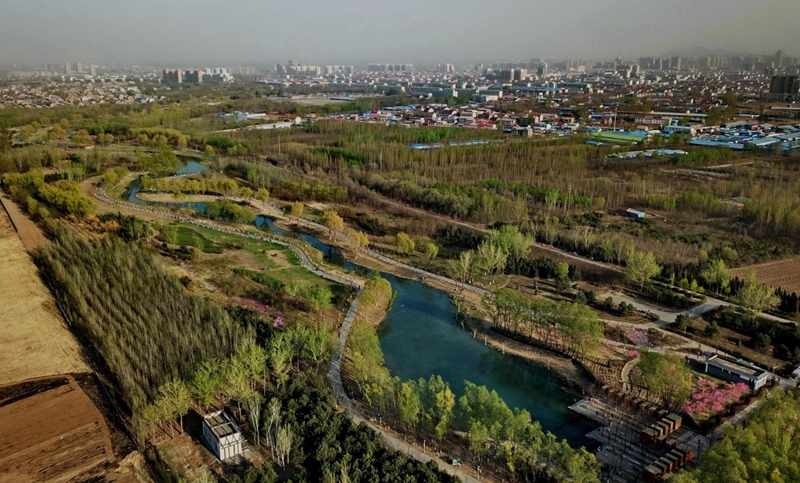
x,y
222,436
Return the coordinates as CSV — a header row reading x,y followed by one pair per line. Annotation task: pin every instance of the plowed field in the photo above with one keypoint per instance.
x,y
51,433
783,274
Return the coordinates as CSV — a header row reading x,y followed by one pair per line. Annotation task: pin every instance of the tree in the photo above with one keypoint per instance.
x,y
283,444
252,404
431,251
463,266
359,239
262,195
409,403
667,377
404,244
246,193
206,383
683,321
333,221
642,267
757,297
176,399
491,257
717,275
294,209
208,153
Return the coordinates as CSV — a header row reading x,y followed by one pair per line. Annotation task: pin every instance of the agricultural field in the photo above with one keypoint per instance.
x,y
36,341
783,274
51,432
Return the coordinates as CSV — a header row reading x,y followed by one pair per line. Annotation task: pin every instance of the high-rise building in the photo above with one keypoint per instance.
x,y
173,76
80,68
445,68
779,58
675,63
784,88
93,70
68,68
193,76
542,70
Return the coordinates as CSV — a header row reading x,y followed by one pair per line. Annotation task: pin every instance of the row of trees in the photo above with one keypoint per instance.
x,y
430,406
46,200
144,324
570,328
499,248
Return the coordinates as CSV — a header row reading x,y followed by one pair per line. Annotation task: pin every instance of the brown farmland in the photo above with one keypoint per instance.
x,y
51,432
783,274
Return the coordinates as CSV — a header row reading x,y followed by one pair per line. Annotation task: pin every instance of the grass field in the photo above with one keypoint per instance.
x,y
278,261
36,341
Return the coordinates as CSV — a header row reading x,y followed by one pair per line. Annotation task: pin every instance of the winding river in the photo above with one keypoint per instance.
x,y
421,337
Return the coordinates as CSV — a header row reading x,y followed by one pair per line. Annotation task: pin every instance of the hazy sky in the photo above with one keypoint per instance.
x,y
208,32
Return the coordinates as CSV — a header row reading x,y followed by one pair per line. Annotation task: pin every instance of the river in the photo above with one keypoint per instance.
x,y
421,337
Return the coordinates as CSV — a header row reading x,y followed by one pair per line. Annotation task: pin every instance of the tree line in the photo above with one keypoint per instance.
x,y
141,320
430,406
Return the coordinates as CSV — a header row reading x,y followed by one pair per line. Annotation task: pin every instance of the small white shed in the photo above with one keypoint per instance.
x,y
221,435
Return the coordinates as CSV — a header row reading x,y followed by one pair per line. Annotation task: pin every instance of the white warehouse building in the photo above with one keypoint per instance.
x,y
222,436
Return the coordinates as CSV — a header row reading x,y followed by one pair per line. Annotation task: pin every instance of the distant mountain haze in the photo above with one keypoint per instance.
x,y
359,31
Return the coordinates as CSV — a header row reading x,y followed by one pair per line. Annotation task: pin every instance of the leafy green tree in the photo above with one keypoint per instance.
x,y
409,403
262,195
431,251
757,297
404,244
717,275
206,383
359,239
438,402
642,267
333,222
176,398
667,377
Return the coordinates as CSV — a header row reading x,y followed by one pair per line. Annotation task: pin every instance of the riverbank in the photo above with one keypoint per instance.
x,y
565,368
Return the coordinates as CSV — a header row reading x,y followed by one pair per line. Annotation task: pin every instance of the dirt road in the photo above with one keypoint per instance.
x,y
31,235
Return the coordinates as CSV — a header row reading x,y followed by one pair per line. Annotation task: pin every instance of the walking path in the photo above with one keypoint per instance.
x,y
30,234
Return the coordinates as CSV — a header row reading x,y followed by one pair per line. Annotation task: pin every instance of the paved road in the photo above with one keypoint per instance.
x,y
668,317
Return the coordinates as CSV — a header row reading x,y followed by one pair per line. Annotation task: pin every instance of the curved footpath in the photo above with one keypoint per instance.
x,y
334,374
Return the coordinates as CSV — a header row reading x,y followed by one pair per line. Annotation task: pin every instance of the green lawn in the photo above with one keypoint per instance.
x,y
293,272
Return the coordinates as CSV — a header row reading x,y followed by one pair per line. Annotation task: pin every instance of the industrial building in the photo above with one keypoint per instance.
x,y
734,370
222,436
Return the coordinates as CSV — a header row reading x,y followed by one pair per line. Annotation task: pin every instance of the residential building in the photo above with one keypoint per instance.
x,y
172,76
784,88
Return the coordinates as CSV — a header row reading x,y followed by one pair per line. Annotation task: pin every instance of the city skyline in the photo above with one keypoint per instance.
x,y
353,32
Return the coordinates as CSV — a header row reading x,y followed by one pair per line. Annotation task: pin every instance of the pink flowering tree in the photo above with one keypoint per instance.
x,y
713,398
277,317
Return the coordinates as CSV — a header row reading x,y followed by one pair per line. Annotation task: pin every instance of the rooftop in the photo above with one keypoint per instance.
x,y
221,424
742,368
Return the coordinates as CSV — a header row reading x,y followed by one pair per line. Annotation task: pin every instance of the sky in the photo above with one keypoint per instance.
x,y
423,32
